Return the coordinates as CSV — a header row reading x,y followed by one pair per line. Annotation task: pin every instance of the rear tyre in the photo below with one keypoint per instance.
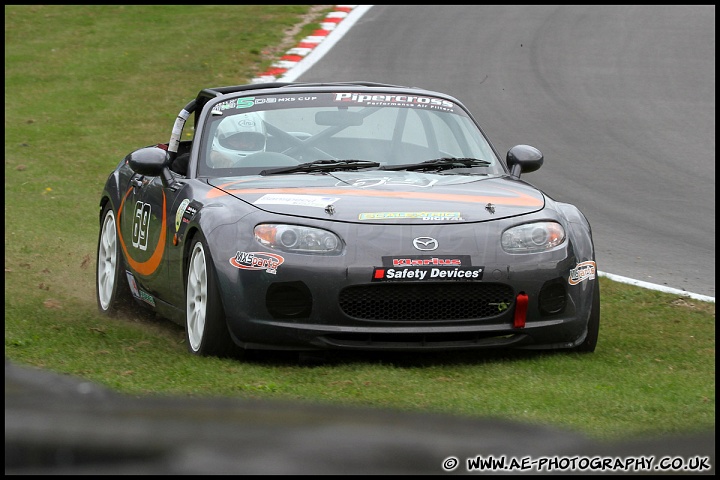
x,y
111,288
206,329
588,345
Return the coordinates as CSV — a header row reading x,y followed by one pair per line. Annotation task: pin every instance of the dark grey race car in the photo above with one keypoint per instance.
x,y
357,216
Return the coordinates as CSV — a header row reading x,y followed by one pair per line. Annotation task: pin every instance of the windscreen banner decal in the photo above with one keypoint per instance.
x,y
582,271
250,102
270,102
257,261
395,100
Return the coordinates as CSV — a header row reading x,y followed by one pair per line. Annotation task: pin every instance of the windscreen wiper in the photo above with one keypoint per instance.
x,y
322,166
438,164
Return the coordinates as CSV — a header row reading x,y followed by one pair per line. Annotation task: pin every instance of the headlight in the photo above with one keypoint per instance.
x,y
533,237
298,239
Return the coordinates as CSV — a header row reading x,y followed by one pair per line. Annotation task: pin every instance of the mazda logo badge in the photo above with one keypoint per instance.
x,y
425,243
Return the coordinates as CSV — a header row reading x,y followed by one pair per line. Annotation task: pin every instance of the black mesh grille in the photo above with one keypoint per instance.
x,y
436,301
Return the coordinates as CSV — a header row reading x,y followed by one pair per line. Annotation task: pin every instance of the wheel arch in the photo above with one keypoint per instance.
x,y
104,200
187,250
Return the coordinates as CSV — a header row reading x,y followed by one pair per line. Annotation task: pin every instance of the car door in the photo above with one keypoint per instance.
x,y
144,233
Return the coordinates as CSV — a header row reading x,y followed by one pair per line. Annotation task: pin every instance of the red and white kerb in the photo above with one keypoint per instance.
x,y
293,56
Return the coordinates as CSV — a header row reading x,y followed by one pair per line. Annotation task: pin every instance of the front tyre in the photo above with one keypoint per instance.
x,y
206,329
111,288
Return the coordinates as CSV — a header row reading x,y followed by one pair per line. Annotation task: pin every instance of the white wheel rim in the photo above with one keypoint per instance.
x,y
107,260
196,297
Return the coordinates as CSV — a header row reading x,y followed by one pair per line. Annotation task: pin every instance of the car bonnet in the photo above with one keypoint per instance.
x,y
384,196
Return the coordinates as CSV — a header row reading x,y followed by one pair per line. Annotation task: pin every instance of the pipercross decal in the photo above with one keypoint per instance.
x,y
582,271
257,261
395,100
149,266
382,274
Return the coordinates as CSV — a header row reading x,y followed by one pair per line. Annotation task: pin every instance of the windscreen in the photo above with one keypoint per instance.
x,y
255,132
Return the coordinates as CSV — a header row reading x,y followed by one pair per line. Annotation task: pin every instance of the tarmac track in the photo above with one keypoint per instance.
x,y
619,98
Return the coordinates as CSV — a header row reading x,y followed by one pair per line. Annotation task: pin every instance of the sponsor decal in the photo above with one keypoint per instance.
x,y
220,107
365,182
133,284
425,261
383,274
296,200
183,216
582,271
257,261
146,297
425,216
396,100
248,102
180,212
301,98
137,291
245,102
502,306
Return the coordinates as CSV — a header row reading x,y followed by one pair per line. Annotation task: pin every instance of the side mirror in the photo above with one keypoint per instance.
x,y
524,159
152,162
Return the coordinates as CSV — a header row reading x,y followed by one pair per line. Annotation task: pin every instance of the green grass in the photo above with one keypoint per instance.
x,y
84,85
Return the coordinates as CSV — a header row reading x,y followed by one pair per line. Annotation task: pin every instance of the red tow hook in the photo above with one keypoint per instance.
x,y
521,303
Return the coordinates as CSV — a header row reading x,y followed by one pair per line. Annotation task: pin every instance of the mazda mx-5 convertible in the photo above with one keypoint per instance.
x,y
344,216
